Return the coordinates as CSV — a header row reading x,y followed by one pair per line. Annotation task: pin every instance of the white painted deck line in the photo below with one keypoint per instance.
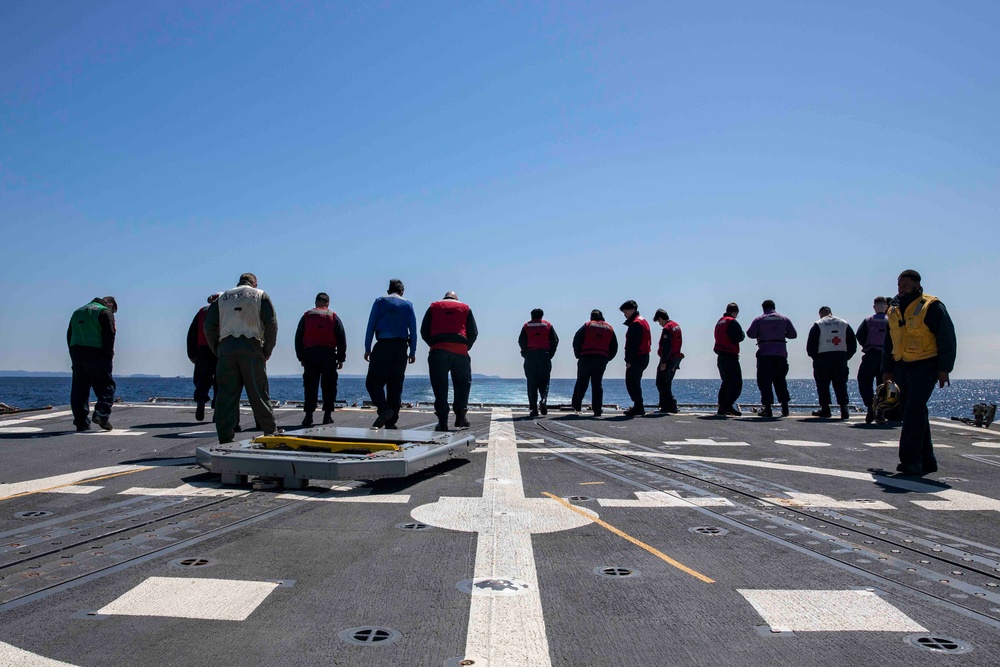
x,y
77,489
964,427
16,430
706,442
210,599
503,628
33,418
200,489
828,611
664,499
818,500
595,440
801,443
12,656
48,483
348,496
894,444
97,431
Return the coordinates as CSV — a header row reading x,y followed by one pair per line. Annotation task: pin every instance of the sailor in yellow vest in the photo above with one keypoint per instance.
x,y
919,352
242,328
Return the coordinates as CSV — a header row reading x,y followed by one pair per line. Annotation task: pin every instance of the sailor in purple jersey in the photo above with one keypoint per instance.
x,y
871,337
771,330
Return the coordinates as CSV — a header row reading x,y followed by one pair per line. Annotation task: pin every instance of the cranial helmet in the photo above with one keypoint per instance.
x,y
886,398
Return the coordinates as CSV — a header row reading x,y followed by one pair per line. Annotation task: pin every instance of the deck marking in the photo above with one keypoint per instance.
x,y
504,629
664,499
639,543
588,483
34,418
196,489
894,444
828,611
985,445
92,433
798,499
801,443
46,484
705,441
602,441
964,427
208,599
13,656
76,489
16,430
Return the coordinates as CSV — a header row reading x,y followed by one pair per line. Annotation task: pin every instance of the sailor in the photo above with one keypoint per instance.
x,y
871,335
831,343
771,330
242,328
203,359
538,342
919,351
91,341
595,344
393,324
638,343
449,329
321,347
728,336
669,352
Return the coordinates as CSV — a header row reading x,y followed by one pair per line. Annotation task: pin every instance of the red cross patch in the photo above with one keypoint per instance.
x,y
836,340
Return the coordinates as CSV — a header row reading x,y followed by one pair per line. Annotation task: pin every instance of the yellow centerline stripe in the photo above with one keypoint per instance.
x,y
82,481
639,543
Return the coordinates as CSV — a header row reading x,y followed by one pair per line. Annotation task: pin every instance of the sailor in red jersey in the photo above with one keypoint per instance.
x,y
669,352
637,346
204,361
450,331
538,342
728,335
321,347
595,344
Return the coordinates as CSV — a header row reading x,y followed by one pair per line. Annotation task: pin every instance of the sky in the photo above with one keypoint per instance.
x,y
566,156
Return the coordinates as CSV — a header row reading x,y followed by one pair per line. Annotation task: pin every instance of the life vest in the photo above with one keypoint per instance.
x,y
239,313
85,326
537,333
202,340
912,339
832,334
448,320
672,329
320,328
723,343
877,326
772,329
596,338
645,342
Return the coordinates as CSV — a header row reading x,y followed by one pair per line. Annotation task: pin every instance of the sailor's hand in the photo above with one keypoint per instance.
x,y
340,365
943,379
886,377
267,357
412,358
627,365
193,361
368,356
663,366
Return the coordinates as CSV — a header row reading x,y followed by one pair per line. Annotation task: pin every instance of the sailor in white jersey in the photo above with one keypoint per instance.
x,y
831,343
242,328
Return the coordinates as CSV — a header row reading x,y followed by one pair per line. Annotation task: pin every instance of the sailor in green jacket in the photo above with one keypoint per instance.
x,y
91,341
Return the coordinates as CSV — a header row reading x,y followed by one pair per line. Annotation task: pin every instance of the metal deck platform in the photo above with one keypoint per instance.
x,y
312,453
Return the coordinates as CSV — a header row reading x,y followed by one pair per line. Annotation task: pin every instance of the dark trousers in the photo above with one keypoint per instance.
x,y
386,372
831,367
633,379
440,364
665,384
204,376
916,380
315,371
732,380
233,373
590,370
868,376
91,374
772,371
537,371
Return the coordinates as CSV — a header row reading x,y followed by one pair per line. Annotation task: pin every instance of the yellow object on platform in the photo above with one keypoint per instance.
x,y
294,442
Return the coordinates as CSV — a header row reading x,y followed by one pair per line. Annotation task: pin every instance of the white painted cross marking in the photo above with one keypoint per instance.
x,y
504,629
828,611
211,599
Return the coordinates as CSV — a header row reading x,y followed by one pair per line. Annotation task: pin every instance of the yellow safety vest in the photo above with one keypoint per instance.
x,y
912,340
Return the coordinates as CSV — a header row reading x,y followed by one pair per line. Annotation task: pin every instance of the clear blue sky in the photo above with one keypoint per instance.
x,y
564,156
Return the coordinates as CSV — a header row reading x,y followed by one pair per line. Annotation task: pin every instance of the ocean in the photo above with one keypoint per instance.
x,y
28,392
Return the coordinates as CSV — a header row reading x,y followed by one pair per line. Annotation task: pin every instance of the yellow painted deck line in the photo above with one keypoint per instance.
x,y
639,543
587,483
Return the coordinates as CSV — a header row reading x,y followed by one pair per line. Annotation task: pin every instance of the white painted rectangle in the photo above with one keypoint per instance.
x,y
211,599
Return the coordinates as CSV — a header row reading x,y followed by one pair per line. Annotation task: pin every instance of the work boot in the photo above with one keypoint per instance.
x,y
83,427
733,412
327,417
784,409
822,413
461,421
390,427
384,416
672,407
722,412
199,412
442,425
533,413
844,412
766,411
870,416
543,408
598,412
929,466
909,469
103,422
308,419
237,429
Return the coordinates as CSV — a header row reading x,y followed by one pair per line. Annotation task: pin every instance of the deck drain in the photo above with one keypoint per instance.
x,y
616,572
368,635
938,644
193,562
412,525
708,530
466,661
579,499
32,514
